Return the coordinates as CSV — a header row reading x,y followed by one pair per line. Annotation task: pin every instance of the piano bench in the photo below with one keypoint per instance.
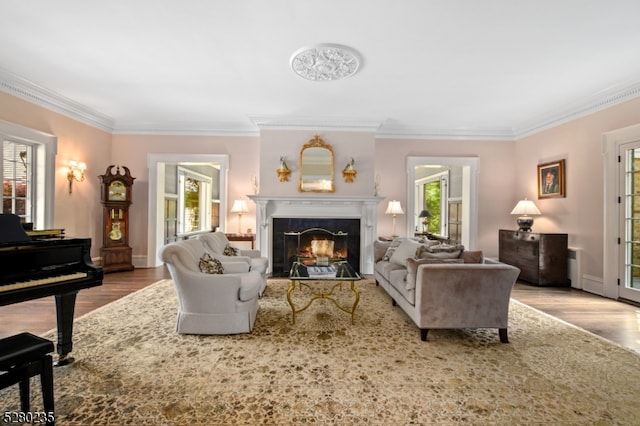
x,y
23,356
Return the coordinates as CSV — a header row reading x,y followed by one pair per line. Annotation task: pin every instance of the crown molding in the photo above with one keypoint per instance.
x,y
603,100
325,123
187,128
38,95
411,132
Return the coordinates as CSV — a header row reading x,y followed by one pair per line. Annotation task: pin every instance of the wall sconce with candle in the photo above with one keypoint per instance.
x,y
348,172
283,172
76,172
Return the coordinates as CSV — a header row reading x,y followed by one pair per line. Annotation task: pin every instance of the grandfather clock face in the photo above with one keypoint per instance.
x,y
117,191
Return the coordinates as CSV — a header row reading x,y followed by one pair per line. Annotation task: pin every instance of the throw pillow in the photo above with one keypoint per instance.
x,y
230,251
442,251
472,256
412,268
406,249
392,247
209,265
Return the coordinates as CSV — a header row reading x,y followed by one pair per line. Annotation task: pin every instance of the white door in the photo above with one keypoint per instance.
x,y
629,221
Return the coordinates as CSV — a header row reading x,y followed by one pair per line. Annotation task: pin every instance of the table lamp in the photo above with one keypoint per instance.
x,y
394,208
239,206
525,209
425,215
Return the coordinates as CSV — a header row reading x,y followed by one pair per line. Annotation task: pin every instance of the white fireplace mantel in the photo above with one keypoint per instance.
x,y
318,206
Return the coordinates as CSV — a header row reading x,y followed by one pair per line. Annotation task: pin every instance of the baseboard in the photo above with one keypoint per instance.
x,y
593,284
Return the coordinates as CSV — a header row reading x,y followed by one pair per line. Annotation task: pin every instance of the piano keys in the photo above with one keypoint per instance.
x,y
32,269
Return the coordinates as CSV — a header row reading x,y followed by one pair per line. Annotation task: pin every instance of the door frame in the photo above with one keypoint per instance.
x,y
470,168
611,142
155,163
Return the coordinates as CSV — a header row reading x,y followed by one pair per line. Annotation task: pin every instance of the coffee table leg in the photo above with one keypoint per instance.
x,y
356,293
293,308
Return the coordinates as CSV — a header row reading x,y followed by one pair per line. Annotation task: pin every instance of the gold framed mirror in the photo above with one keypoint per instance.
x,y
316,166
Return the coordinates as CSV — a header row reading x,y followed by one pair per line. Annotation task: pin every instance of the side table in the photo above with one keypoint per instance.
x,y
243,237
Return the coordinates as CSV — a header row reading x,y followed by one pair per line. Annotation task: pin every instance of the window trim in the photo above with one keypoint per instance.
x,y
45,146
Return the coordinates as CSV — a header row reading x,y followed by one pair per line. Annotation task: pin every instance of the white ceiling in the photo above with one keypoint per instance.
x,y
445,68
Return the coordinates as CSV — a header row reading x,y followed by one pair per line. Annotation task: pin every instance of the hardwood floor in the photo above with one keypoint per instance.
x,y
39,316
615,321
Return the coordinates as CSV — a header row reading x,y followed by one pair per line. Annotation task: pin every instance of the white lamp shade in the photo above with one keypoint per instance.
x,y
239,206
525,208
394,207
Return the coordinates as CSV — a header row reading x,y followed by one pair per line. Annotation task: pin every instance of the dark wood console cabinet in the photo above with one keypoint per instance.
x,y
542,258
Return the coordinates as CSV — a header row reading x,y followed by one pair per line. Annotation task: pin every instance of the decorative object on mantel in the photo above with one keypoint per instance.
x,y
325,62
348,172
525,209
551,181
255,185
394,208
425,215
239,206
376,185
283,172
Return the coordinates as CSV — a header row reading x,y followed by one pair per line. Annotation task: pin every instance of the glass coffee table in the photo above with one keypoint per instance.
x,y
337,274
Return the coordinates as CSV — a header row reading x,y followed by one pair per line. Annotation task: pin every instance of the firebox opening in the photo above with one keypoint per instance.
x,y
315,242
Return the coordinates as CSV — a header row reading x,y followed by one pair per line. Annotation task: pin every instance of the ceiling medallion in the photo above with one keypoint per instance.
x,y
325,62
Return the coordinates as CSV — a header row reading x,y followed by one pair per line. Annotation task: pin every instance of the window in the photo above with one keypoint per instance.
x,y
27,169
433,196
17,179
194,202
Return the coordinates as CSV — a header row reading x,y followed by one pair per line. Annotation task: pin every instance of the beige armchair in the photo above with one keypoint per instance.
x,y
211,303
217,242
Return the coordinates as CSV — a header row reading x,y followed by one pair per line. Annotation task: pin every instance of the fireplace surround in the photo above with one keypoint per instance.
x,y
270,209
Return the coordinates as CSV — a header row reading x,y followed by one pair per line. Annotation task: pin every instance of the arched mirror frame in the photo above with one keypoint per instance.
x,y
316,142
469,193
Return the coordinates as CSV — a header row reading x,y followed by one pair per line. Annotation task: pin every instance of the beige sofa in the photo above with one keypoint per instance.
x,y
211,303
452,294
217,243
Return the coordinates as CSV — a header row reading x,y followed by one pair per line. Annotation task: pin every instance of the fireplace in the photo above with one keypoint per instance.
x,y
314,241
316,210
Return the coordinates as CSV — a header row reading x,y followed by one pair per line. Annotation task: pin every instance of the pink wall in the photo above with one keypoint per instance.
x,y
580,214
79,213
345,145
132,151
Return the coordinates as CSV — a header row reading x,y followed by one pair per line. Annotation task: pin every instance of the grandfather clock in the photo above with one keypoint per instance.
x,y
116,199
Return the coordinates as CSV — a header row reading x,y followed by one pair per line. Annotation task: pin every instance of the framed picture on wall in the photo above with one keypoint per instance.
x,y
551,180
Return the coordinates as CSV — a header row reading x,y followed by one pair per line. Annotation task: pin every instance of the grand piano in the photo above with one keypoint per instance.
x,y
33,267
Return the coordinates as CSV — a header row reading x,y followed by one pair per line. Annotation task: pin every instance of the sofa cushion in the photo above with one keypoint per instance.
x,y
442,251
406,249
384,268
209,265
230,250
412,268
472,256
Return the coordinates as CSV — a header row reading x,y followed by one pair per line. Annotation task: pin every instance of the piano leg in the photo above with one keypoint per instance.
x,y
65,306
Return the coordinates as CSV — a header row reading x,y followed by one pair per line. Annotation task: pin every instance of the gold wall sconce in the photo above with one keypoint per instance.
x,y
348,172
76,172
283,172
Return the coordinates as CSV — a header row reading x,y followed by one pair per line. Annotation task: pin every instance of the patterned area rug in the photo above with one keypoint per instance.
x,y
132,369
